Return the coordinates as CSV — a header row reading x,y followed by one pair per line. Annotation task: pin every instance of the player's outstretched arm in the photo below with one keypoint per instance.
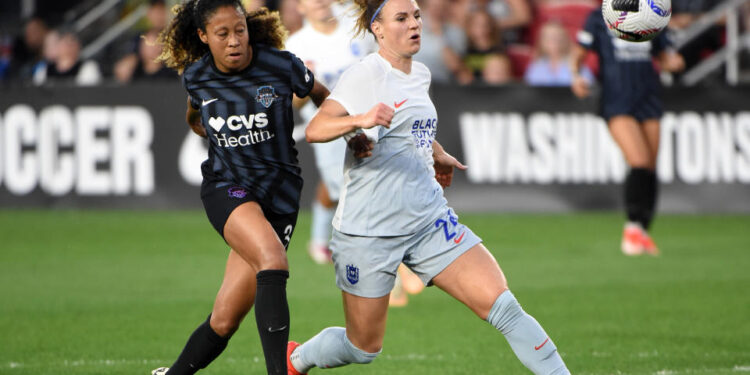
x,y
333,121
193,118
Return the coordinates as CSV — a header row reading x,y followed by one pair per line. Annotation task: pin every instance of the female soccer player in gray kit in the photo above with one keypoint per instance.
x,y
240,87
392,208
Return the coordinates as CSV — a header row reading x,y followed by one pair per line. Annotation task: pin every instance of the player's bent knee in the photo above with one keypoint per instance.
x,y
224,327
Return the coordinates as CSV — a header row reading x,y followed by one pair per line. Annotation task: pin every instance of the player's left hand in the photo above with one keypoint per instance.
x,y
444,164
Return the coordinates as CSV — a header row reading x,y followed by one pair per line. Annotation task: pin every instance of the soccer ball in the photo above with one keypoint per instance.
x,y
636,20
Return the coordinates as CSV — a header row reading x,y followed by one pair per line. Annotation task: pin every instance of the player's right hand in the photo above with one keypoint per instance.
x,y
580,87
379,114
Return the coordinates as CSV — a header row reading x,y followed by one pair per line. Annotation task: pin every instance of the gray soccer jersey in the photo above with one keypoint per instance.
x,y
393,192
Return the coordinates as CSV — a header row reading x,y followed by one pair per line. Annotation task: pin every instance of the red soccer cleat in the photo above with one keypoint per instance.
x,y
632,240
290,370
648,244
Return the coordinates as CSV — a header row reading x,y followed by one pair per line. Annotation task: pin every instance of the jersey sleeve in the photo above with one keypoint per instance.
x,y
194,102
587,36
353,91
302,78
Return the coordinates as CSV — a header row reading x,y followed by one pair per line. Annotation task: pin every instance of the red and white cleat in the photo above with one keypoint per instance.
x,y
648,245
320,253
632,240
290,370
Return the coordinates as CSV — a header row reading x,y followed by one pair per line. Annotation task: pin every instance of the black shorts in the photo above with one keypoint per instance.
x,y
221,198
642,106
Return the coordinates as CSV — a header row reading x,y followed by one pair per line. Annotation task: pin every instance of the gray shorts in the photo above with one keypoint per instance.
x,y
366,266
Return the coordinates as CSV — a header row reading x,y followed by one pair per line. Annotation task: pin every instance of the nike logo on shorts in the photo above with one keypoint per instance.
x,y
459,238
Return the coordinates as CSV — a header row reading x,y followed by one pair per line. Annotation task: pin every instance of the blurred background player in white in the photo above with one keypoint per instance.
x,y
630,103
327,46
392,208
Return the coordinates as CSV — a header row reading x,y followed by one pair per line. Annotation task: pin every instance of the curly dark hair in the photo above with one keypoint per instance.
x,y
182,46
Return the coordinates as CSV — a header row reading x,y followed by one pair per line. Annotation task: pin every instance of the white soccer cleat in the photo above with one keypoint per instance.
x,y
160,371
632,240
319,253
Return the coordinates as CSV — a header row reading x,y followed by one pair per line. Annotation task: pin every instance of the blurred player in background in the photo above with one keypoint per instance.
x,y
392,208
327,44
630,103
240,88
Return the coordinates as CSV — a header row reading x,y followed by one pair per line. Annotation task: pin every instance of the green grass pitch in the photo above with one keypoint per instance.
x,y
119,292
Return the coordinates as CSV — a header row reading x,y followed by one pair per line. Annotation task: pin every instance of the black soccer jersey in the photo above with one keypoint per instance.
x,y
629,81
248,121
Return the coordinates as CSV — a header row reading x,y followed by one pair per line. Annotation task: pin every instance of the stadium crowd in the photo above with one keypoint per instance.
x,y
464,41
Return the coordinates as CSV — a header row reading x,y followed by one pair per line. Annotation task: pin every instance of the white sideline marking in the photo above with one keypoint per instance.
x,y
741,368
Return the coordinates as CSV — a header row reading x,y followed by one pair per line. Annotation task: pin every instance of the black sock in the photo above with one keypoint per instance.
x,y
640,196
652,196
203,346
272,317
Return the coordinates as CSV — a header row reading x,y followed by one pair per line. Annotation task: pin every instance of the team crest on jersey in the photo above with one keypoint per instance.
x,y
352,273
266,95
237,192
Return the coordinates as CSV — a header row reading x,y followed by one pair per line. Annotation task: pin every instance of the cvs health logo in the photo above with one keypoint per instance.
x,y
249,130
237,122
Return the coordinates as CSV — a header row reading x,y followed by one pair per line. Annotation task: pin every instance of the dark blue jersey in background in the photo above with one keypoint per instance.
x,y
249,123
630,83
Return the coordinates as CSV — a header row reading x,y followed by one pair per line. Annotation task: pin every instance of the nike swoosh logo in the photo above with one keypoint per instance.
x,y
399,104
283,328
540,346
207,102
458,240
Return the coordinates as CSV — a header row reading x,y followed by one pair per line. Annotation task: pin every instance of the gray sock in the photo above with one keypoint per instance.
x,y
329,348
526,337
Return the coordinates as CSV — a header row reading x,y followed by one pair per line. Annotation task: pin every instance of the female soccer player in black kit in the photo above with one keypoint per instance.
x,y
240,87
631,106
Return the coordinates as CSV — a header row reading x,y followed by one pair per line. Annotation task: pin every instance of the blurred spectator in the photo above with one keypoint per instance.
x,y
27,51
509,16
290,16
484,43
590,3
443,44
63,62
144,66
157,15
684,14
550,66
497,70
